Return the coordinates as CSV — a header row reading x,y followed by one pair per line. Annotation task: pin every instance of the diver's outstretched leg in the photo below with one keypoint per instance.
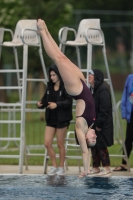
x,y
69,72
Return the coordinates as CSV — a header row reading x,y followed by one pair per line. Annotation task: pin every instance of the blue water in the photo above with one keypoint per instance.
x,y
42,187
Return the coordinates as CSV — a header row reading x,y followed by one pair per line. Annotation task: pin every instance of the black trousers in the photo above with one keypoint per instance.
x,y
129,138
100,156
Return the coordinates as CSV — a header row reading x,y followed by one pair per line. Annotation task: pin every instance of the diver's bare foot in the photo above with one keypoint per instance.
x,y
41,26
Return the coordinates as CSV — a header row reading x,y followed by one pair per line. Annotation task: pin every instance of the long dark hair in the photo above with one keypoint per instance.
x,y
54,68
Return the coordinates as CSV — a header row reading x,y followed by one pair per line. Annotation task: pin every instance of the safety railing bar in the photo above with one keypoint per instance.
x,y
10,70
18,110
114,155
11,87
34,154
10,104
36,145
9,156
9,138
10,122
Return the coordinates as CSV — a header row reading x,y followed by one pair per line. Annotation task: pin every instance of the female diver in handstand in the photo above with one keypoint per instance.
x,y
74,83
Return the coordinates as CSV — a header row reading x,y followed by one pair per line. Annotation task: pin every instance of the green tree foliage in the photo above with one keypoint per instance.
x,y
64,13
56,15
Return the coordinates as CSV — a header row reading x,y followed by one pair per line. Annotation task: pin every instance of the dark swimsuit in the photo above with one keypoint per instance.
x,y
89,112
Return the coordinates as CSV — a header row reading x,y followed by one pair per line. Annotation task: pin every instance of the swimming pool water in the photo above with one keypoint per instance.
x,y
43,187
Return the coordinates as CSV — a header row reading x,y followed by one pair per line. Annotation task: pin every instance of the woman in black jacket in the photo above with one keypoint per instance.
x,y
103,123
58,104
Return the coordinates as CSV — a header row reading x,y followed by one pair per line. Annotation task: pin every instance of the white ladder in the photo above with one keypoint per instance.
x,y
25,35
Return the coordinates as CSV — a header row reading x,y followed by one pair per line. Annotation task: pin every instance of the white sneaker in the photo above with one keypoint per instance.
x,y
60,171
52,171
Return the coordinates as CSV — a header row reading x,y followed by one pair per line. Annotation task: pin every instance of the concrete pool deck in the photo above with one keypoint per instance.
x,y
72,170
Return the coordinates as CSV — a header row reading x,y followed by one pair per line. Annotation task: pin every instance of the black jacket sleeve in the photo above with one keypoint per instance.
x,y
44,99
67,102
104,102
